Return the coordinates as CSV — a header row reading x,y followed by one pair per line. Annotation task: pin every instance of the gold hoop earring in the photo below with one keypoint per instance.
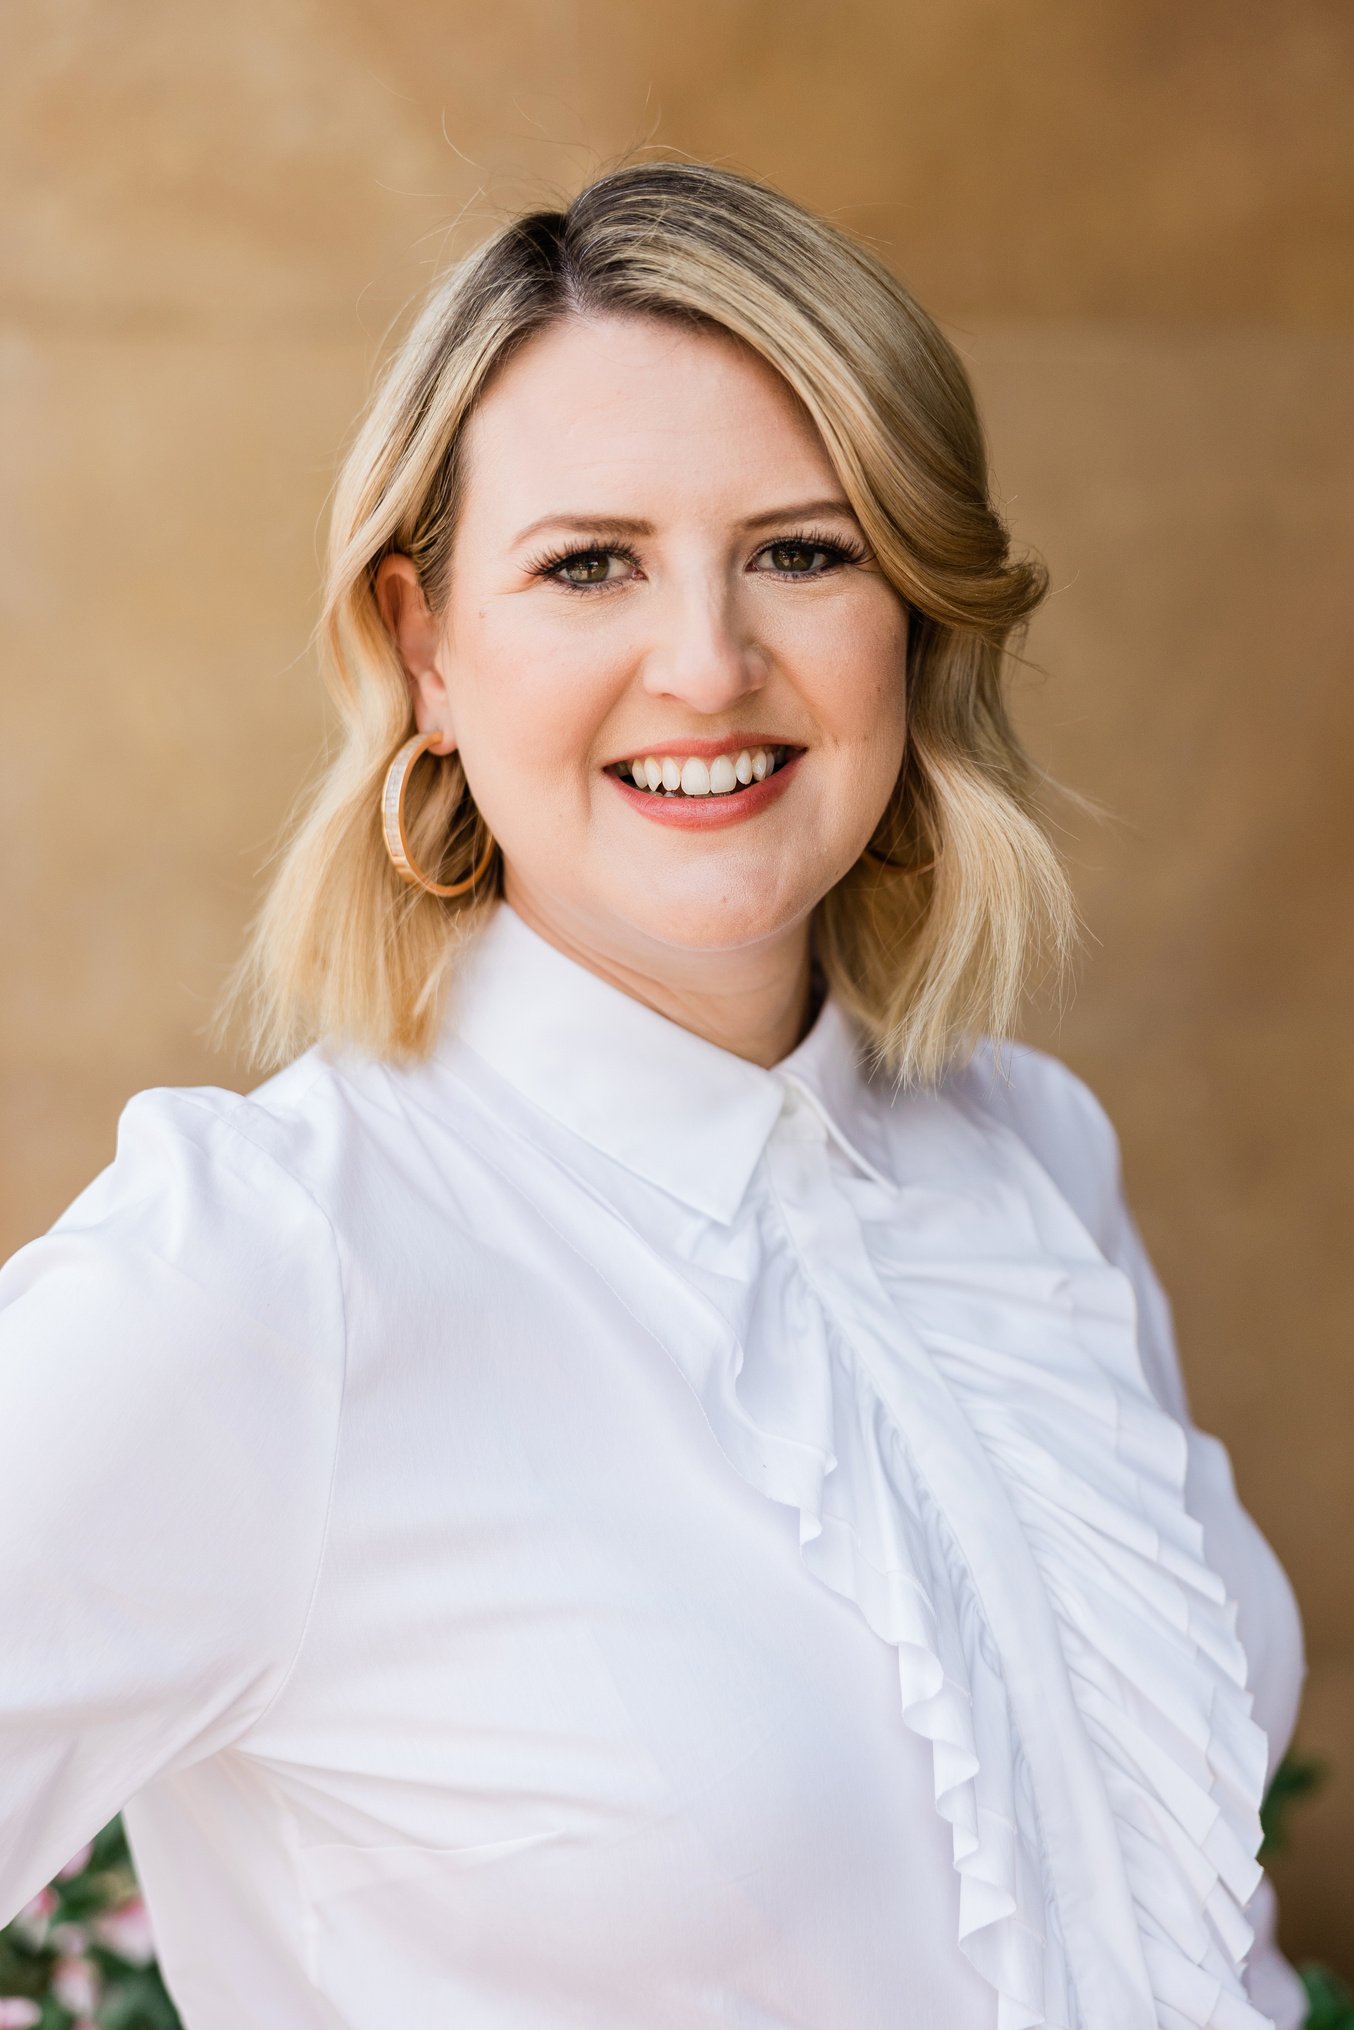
x,y
392,822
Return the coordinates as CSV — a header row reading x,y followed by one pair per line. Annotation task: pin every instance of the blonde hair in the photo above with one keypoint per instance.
x,y
926,960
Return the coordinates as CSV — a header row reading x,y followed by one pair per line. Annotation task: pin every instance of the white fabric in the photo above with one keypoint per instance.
x,y
591,1532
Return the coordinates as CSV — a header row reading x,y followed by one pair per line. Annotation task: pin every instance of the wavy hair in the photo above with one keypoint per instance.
x,y
931,940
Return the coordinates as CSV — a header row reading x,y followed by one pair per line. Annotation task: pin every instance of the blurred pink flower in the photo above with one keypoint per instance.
x,y
126,1931
69,1939
77,1862
75,1983
17,2013
32,1921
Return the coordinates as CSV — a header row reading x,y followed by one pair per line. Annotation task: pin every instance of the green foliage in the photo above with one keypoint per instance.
x,y
1330,2003
79,1956
1295,1778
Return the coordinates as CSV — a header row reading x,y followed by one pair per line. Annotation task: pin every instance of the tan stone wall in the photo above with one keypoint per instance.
x,y
1135,221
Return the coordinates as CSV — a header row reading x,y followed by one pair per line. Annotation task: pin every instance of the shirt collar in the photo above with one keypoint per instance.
x,y
668,1105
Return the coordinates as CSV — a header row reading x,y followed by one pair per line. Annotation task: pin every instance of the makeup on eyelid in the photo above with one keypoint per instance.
x,y
840,551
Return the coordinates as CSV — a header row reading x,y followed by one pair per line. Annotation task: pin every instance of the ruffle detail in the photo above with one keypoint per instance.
x,y
1095,1472
1035,1351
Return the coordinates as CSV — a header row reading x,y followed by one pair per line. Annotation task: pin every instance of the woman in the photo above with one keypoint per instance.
x,y
643,1478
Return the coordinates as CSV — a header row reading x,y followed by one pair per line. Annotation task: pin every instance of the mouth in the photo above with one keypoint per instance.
x,y
691,776
714,788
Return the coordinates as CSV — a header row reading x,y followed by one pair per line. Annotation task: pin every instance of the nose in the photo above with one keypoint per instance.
x,y
702,654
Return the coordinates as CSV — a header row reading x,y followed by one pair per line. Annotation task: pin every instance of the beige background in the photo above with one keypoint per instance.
x,y
1134,220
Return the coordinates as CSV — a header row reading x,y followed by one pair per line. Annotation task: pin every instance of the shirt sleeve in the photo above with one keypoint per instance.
x,y
171,1357
1067,1129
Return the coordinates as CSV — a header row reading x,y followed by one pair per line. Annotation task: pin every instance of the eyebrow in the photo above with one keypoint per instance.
x,y
626,525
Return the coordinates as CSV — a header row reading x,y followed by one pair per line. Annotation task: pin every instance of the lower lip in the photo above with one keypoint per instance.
x,y
709,813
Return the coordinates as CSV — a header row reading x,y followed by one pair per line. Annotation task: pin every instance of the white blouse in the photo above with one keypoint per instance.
x,y
591,1532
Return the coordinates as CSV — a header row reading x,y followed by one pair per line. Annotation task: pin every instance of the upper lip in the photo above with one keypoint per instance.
x,y
701,750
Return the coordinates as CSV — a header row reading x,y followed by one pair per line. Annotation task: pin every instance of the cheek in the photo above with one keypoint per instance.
x,y
530,700
851,659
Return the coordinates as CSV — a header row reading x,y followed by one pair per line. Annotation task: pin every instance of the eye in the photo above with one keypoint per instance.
x,y
806,556
582,569
589,567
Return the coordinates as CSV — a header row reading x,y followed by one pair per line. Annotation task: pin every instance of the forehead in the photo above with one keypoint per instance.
x,y
614,414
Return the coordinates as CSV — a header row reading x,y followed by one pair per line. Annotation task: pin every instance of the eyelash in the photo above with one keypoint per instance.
x,y
841,551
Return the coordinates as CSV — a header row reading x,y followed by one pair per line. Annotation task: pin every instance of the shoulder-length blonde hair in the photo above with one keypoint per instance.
x,y
929,946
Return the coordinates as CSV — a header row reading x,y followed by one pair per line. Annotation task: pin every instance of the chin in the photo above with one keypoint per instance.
x,y
694,920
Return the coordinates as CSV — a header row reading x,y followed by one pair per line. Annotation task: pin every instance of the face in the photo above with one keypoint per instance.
x,y
674,673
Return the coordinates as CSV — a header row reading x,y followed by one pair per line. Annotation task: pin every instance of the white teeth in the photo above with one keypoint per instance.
x,y
694,777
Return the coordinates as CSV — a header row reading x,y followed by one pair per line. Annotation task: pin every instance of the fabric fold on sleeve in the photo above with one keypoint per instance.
x,y
171,1362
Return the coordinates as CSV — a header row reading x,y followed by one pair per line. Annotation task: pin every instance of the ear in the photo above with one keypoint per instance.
x,y
418,639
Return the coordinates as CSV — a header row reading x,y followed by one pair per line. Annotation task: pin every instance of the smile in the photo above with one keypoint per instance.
x,y
697,792
692,776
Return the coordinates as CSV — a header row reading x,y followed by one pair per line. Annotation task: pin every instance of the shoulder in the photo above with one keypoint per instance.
x,y
297,1194
223,1193
1066,1129
181,1327
173,1381
1059,1119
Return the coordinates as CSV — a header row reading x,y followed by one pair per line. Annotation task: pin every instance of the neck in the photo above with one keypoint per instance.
x,y
757,1002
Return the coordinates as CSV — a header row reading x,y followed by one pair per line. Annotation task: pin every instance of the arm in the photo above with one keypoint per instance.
x,y
170,1376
